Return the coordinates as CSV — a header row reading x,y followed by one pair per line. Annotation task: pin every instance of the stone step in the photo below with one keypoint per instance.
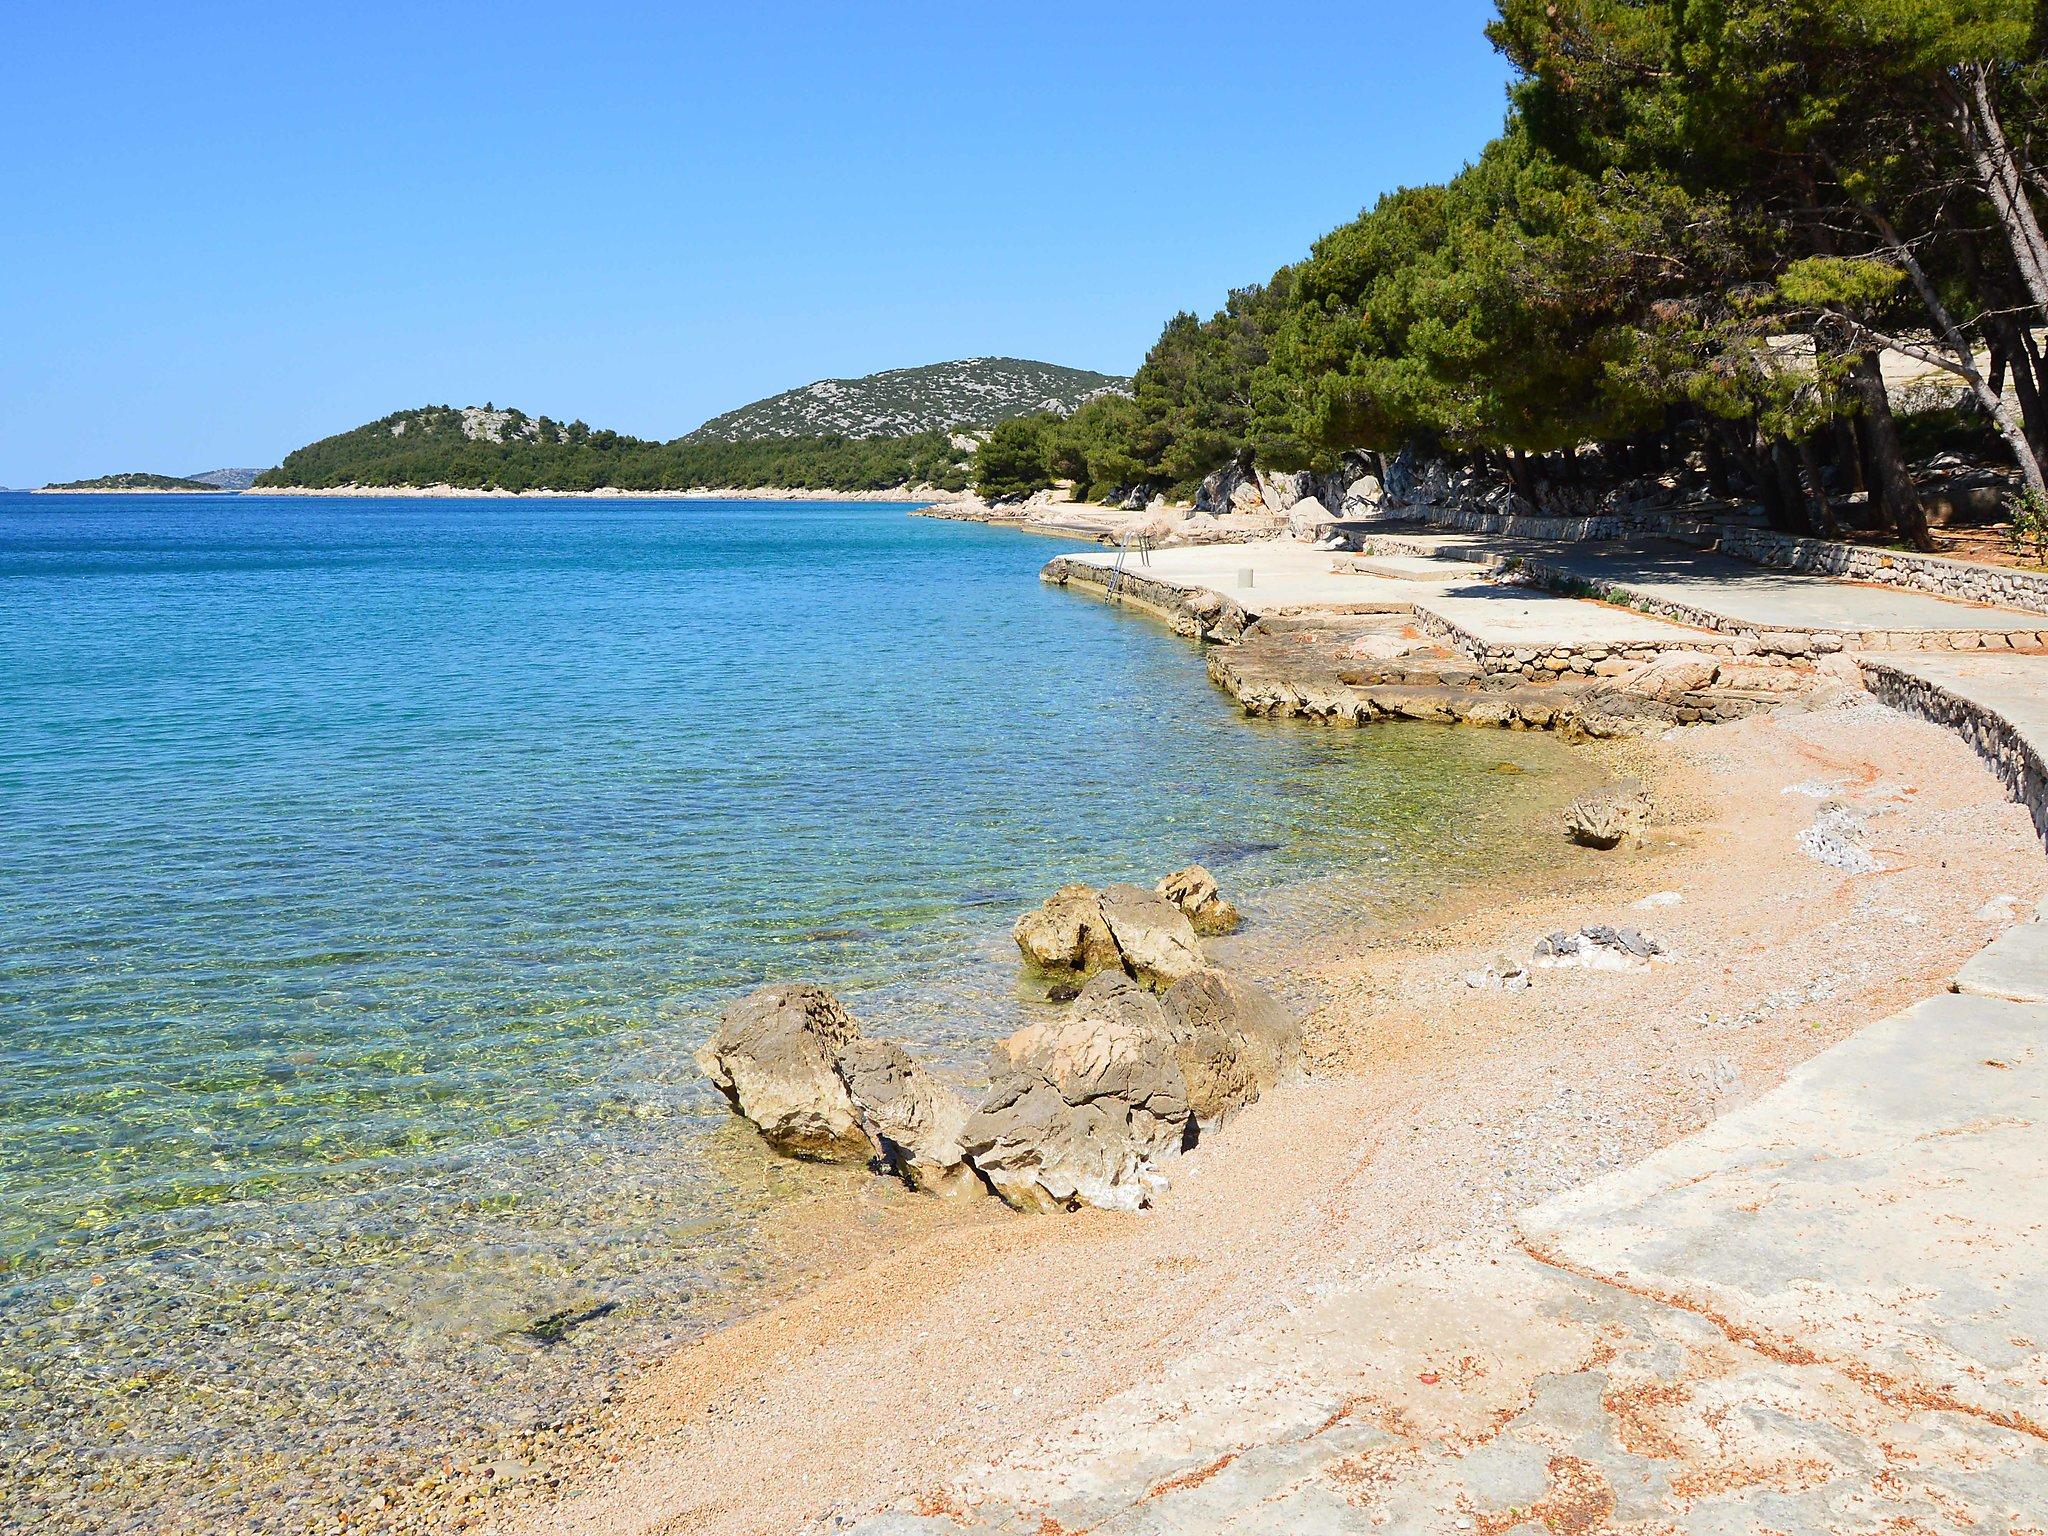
x,y
2013,966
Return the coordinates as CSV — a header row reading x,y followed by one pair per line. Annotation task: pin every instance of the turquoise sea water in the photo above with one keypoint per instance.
x,y
370,869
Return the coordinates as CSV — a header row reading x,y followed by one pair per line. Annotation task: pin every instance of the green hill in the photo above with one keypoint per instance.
x,y
870,434
483,448
136,481
974,392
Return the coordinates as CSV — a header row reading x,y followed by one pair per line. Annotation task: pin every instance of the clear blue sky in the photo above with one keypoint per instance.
x,y
232,228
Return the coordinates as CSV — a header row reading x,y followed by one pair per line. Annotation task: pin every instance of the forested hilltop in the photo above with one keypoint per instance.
x,y
897,428
490,449
135,480
1697,231
974,392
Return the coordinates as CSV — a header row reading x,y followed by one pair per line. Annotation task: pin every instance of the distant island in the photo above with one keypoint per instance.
x,y
135,481
912,426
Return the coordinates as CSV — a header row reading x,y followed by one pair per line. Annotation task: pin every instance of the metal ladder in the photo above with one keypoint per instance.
x,y
1142,542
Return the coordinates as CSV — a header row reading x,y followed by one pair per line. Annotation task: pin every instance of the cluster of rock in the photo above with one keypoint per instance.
x,y
1150,936
1597,947
1294,503
1082,1108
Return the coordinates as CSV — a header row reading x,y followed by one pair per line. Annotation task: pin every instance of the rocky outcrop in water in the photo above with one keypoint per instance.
x,y
1079,931
1083,1107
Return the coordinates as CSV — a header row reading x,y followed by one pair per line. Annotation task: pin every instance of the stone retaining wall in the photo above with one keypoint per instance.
x,y
1796,642
1974,583
2001,744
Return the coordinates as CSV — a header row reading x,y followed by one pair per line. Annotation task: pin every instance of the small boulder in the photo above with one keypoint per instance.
x,y
1154,938
1308,519
775,1058
913,1120
1195,892
1670,676
1082,1108
1604,817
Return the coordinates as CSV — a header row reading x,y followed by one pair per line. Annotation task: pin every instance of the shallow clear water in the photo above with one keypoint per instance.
x,y
370,869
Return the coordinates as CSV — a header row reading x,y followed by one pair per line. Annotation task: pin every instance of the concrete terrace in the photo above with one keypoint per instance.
x,y
1716,591
1292,578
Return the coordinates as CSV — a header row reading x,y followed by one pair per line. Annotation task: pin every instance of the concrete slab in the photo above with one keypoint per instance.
x,y
1483,1391
2013,966
1885,1209
1737,595
1283,577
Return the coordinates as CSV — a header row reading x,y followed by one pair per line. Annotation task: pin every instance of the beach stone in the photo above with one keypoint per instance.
x,y
775,1058
1233,1041
1154,938
1671,676
913,1120
1067,939
1082,1108
1603,817
1195,892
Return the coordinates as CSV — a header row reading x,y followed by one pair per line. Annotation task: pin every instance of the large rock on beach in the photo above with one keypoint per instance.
x,y
1233,1041
1308,519
1670,676
1195,892
1083,1107
775,1057
1603,818
913,1120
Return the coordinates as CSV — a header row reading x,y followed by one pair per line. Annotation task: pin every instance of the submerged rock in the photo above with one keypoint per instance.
x,y
1602,818
775,1057
1195,892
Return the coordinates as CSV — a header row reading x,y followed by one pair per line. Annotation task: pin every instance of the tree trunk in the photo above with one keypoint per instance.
x,y
1716,459
1849,454
1788,515
2000,174
1894,485
1818,512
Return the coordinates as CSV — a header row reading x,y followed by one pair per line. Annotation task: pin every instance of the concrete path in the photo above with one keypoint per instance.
x,y
1728,594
